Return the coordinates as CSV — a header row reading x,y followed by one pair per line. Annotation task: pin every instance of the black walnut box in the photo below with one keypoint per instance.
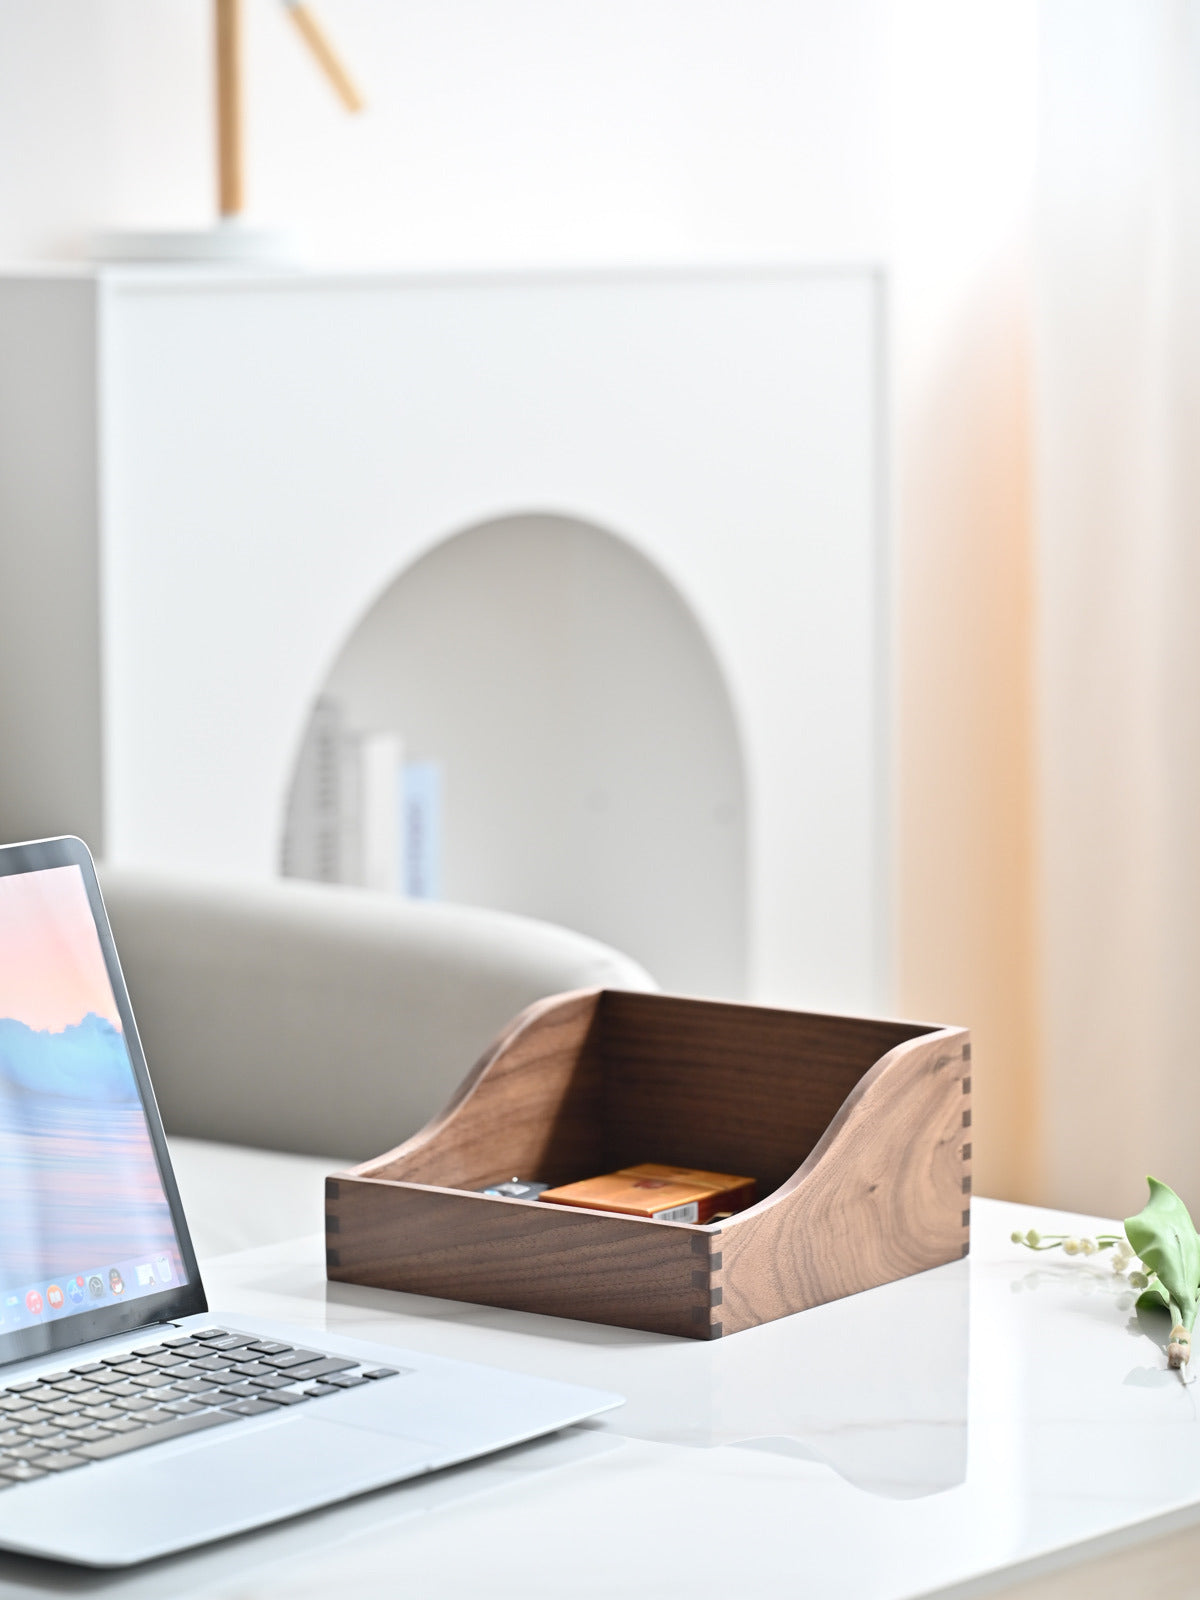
x,y
857,1130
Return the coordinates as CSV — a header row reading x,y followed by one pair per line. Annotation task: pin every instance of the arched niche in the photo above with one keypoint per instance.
x,y
593,771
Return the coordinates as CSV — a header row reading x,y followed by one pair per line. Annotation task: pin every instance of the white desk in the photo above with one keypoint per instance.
x,y
949,1433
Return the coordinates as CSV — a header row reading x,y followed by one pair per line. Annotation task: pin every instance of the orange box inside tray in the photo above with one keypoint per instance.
x,y
662,1193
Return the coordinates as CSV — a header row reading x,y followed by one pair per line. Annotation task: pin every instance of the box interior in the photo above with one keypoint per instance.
x,y
645,1077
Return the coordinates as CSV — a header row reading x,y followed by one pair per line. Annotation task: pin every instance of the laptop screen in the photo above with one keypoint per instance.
x,y
86,1225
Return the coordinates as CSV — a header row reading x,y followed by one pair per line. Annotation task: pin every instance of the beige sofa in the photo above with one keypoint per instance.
x,y
327,1021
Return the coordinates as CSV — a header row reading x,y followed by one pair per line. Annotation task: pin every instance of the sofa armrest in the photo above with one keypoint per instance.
x,y
314,1018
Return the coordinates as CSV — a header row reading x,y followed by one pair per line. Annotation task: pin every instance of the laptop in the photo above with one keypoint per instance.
x,y
134,1421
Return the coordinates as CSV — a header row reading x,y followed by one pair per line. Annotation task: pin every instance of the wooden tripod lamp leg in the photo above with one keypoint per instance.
x,y
230,132
325,55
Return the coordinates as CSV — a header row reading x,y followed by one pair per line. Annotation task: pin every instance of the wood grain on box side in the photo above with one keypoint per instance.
x,y
880,1196
522,1254
729,1088
530,1108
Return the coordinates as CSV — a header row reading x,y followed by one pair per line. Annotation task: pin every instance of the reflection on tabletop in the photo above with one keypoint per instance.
x,y
898,1428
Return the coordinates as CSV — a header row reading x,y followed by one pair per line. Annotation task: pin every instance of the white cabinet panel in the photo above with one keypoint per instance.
x,y
268,455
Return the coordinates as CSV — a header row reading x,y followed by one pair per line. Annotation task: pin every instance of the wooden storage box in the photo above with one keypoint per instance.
x,y
857,1132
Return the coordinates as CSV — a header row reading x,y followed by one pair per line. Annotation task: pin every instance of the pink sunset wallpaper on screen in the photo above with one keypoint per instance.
x,y
83,1215
52,971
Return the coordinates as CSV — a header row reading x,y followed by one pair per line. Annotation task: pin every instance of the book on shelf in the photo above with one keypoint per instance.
x,y
420,793
313,842
380,859
359,813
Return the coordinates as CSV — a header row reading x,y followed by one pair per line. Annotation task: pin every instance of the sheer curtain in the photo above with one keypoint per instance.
x,y
960,157
1117,670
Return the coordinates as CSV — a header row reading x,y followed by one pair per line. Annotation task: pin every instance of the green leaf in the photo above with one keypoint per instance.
x,y
1163,1235
1153,1298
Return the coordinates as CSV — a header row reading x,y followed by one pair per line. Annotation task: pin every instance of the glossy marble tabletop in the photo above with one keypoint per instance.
x,y
992,1418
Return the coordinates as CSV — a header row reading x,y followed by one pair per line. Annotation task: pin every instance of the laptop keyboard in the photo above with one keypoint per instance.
x,y
156,1392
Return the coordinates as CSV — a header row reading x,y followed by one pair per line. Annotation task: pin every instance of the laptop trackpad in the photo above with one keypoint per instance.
x,y
220,1483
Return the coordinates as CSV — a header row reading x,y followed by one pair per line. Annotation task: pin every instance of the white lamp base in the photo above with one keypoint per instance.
x,y
231,242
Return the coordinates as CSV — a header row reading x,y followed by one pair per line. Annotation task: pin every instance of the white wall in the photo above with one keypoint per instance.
x,y
545,131
497,130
